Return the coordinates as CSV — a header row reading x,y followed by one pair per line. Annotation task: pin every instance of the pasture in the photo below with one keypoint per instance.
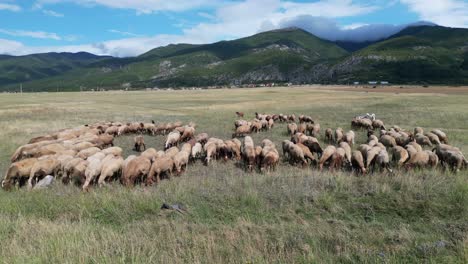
x,y
291,215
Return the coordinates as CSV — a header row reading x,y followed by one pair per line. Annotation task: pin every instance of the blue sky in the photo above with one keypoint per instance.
x,y
131,27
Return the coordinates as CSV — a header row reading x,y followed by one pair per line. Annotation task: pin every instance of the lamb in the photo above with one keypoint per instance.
x,y
172,139
357,161
110,168
139,143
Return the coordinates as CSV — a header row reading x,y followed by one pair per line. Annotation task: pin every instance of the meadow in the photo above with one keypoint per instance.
x,y
291,215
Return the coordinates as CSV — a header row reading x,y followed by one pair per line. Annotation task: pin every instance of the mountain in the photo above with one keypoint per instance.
x,y
423,54
17,69
419,54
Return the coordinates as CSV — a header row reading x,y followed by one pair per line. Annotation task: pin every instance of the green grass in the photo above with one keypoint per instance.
x,y
292,215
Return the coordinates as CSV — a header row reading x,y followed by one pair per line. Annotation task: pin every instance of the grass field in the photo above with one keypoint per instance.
x,y
292,215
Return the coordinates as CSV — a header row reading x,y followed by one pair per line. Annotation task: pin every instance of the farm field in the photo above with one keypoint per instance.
x,y
290,215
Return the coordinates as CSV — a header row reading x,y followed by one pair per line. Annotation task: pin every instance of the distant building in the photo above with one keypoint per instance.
x,y
373,82
384,83
356,83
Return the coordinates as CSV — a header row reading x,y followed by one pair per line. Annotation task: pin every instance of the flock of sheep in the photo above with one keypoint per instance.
x,y
86,155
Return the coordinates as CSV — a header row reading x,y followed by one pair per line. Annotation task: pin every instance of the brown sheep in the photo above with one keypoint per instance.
x,y
241,131
301,128
357,161
211,151
202,138
18,173
171,152
388,141
348,138
197,151
347,148
292,129
68,168
269,160
338,135
418,130
42,138
400,155
433,138
442,136
93,170
150,153
85,153
248,152
299,138
286,146
43,167
450,156
240,114
329,135
77,173
415,145
296,155
383,160
327,155
233,149
116,151
364,148
371,155
112,130
139,143
423,140
82,145
136,169
188,133
110,168
307,154
337,159
181,159
104,140
292,118
378,124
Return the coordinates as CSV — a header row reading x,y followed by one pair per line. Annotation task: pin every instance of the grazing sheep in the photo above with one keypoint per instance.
x,y
347,148
93,170
418,130
40,169
378,124
348,137
296,155
442,136
188,133
211,151
292,129
139,143
86,153
171,152
240,114
364,148
371,155
400,155
373,138
248,152
150,153
136,169
388,141
306,151
383,160
104,140
197,151
433,138
18,173
82,145
326,156
357,161
422,140
202,138
450,156
110,168
302,128
233,149
286,146
172,139
337,159
299,138
269,161
415,145
241,131
338,135
313,146
292,118
181,159
329,135
116,151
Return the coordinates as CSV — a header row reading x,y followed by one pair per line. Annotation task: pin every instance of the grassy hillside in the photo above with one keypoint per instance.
x,y
291,215
425,54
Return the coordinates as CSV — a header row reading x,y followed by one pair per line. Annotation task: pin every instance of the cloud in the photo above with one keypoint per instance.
x,y
31,34
329,29
124,33
10,7
141,6
451,13
52,13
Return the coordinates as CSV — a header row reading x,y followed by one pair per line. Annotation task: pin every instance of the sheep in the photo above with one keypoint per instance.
x,y
122,130
210,150
241,131
172,139
357,161
136,169
423,140
149,128
18,172
181,159
197,151
93,170
139,143
383,160
451,156
399,155
256,126
418,158
415,145
248,152
299,138
306,151
337,158
188,133
327,155
348,137
286,146
271,123
233,149
364,148
171,152
42,138
150,153
239,123
292,129
103,140
371,156
373,138
85,153
112,130
296,155
313,146
418,130
43,167
116,151
329,135
292,118
302,128
442,136
240,114
68,168
313,129
82,145
433,138
347,148
202,138
338,135
388,141
378,124
110,168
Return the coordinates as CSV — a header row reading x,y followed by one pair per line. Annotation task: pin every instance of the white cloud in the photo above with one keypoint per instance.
x,y
353,26
32,34
124,33
451,13
141,6
10,7
52,13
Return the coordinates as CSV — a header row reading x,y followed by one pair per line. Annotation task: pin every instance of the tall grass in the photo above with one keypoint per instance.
x,y
290,215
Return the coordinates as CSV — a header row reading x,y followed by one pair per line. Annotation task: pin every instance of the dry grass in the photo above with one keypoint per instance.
x,y
292,215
